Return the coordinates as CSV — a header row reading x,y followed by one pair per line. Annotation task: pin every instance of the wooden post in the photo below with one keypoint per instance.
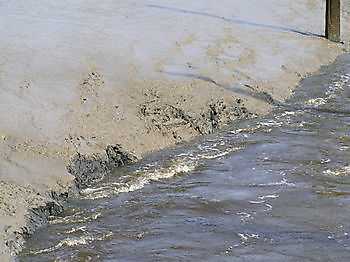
x,y
333,20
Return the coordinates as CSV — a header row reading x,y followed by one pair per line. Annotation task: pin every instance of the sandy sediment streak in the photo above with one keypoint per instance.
x,y
87,87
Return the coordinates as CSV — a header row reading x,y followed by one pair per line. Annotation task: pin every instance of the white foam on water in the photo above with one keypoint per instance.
x,y
270,123
317,101
342,171
75,229
243,214
283,182
88,190
269,207
240,130
337,85
220,153
141,178
243,236
75,219
289,113
268,196
246,237
325,161
256,201
243,130
183,163
71,242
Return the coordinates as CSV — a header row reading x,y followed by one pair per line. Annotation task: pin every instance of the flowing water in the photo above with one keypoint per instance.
x,y
275,188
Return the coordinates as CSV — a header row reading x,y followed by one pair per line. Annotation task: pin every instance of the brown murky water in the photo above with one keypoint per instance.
x,y
268,189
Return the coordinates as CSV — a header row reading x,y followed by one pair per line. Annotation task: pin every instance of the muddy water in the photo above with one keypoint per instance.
x,y
268,189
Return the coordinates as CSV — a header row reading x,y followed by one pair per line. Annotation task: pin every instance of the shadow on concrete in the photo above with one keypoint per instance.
x,y
241,22
263,96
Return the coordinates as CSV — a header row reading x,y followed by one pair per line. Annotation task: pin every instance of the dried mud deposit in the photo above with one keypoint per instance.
x,y
87,86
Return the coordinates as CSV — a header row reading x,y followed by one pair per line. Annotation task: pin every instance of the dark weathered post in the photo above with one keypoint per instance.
x,y
333,20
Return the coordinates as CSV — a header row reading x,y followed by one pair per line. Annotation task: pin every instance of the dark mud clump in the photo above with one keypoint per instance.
x,y
167,120
220,113
173,121
88,169
35,218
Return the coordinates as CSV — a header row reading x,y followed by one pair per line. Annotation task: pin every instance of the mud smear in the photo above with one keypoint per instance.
x,y
172,121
